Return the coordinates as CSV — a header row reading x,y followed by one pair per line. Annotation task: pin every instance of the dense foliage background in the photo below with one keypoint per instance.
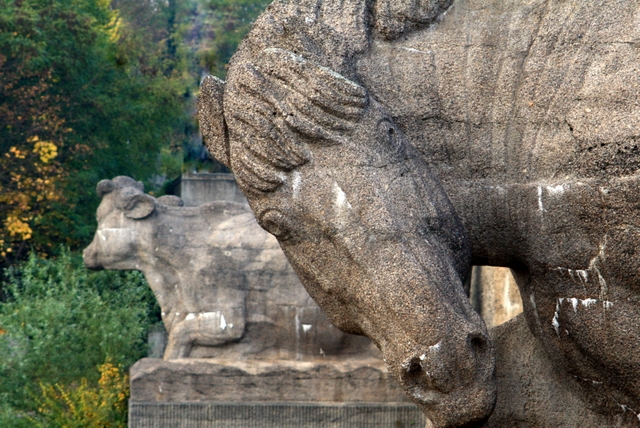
x,y
90,89
61,323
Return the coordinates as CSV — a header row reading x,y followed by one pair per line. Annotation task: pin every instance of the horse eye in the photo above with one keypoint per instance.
x,y
388,131
276,223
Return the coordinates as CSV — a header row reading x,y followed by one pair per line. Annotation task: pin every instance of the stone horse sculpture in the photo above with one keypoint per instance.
x,y
390,144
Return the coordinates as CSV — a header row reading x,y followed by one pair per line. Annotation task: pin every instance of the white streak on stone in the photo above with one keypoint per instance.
x,y
532,298
306,327
556,190
295,183
223,323
209,314
298,325
413,50
432,348
555,322
309,20
106,232
587,303
342,205
190,317
540,206
341,197
574,303
584,276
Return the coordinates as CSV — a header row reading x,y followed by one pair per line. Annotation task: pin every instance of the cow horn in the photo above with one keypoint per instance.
x,y
104,187
211,117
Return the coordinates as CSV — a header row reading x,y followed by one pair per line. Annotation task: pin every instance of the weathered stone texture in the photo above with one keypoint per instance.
x,y
389,145
217,380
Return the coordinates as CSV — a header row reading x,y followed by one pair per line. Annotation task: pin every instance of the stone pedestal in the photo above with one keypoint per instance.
x,y
274,415
208,393
200,188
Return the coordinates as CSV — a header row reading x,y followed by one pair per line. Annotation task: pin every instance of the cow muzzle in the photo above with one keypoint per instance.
x,y
90,257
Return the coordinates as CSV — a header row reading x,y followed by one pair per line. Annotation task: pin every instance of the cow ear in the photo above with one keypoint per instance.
x,y
104,187
140,206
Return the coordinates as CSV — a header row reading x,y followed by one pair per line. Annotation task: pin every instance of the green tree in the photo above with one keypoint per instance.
x,y
83,97
224,24
60,323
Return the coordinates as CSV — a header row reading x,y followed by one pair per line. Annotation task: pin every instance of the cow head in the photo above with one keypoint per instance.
x,y
120,231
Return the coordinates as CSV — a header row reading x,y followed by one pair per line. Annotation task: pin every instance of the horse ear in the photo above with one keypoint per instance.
x,y
140,206
104,187
211,118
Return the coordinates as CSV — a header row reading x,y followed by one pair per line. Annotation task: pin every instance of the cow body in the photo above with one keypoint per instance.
x,y
224,287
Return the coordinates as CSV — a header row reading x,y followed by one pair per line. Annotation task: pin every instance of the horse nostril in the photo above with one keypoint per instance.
x,y
428,372
414,374
414,367
482,353
479,344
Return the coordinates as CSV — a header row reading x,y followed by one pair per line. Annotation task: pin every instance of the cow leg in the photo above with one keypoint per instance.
x,y
179,344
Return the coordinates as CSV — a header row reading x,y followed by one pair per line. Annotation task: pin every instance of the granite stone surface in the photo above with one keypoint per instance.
x,y
389,145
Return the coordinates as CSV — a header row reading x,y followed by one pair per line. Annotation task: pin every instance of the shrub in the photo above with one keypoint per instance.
x,y
84,405
61,322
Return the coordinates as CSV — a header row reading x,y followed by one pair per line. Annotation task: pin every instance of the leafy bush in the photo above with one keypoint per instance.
x,y
84,405
60,322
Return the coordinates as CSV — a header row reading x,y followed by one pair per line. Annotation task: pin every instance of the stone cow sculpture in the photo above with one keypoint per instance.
x,y
223,284
389,144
